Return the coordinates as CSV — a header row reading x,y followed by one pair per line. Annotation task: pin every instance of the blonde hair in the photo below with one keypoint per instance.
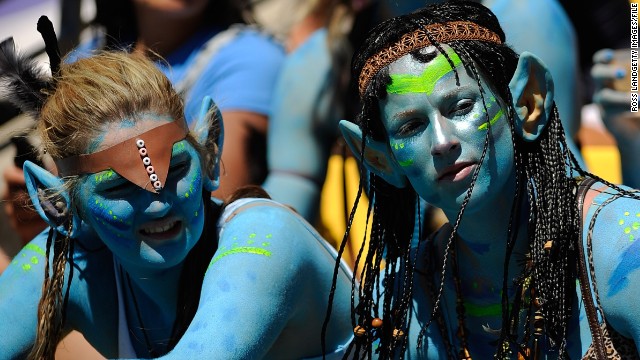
x,y
107,87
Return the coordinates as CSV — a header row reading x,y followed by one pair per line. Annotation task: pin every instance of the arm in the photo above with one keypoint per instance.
x,y
20,289
611,75
240,78
265,291
303,126
616,260
251,290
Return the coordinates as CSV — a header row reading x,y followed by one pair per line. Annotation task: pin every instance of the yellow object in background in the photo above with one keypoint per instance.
x,y
332,206
604,161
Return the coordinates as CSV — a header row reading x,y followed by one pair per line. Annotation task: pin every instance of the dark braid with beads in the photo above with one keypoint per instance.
x,y
541,174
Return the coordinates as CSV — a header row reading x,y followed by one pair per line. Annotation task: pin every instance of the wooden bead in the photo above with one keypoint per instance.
x,y
527,352
397,333
464,354
548,245
376,322
536,303
359,331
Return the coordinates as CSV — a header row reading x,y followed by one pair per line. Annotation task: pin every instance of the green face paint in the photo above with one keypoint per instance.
x,y
482,310
425,82
406,163
103,176
497,116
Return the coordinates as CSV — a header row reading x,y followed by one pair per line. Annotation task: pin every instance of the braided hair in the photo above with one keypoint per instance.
x,y
542,185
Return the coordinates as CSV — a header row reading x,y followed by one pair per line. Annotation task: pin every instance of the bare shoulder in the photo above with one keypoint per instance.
x,y
267,225
611,233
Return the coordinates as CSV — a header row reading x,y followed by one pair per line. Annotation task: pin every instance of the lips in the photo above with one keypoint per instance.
x,y
161,230
456,172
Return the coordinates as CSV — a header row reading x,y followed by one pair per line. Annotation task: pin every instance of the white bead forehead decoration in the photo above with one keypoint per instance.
x,y
146,161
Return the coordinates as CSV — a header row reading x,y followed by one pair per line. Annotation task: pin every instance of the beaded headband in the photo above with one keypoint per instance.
x,y
441,33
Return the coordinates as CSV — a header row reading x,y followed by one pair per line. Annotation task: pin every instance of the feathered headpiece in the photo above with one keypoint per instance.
x,y
22,82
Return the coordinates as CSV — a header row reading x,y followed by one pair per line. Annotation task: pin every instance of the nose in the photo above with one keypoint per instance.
x,y
445,141
157,208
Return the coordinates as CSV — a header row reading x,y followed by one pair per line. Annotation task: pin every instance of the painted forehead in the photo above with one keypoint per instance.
x,y
142,157
409,75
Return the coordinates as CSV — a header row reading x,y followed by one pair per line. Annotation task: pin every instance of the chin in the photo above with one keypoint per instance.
x,y
167,254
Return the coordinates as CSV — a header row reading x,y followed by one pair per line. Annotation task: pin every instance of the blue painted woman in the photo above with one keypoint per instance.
x,y
138,257
537,261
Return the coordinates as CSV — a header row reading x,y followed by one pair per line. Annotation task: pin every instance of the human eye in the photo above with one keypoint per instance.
x,y
410,127
116,187
462,107
180,166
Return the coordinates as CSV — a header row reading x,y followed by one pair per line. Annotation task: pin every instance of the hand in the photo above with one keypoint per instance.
x,y
612,78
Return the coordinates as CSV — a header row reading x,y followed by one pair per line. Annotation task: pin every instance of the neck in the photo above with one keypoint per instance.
x,y
483,236
162,34
301,31
157,286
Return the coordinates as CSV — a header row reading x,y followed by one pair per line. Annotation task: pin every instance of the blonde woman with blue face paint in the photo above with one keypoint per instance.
x,y
138,257
539,259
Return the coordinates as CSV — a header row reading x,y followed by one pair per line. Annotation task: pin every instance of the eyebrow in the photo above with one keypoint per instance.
x,y
460,91
426,81
404,114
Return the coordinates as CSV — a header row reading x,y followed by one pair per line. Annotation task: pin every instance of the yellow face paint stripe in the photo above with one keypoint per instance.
x,y
425,82
485,125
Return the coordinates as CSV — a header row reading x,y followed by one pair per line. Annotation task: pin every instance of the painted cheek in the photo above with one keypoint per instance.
x,y
410,154
189,191
403,156
190,187
496,113
115,215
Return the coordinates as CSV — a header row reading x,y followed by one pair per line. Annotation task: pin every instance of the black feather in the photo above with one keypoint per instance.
x,y
22,82
45,28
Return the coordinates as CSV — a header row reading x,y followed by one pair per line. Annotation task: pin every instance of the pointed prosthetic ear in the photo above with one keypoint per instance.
x,y
377,155
532,93
209,128
50,199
